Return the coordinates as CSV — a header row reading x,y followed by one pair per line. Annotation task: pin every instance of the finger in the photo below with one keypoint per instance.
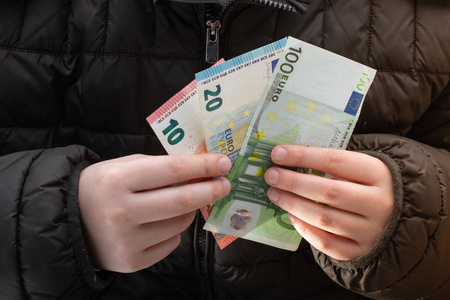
x,y
174,201
338,247
157,252
145,258
126,158
327,218
340,194
348,165
149,234
159,171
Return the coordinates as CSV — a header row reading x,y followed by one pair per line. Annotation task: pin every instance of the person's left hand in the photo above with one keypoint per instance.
x,y
342,216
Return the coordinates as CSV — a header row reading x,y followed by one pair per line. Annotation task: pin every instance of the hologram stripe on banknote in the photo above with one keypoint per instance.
x,y
313,99
240,60
177,123
182,96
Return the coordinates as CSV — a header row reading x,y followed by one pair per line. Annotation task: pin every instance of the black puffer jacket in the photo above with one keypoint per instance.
x,y
88,73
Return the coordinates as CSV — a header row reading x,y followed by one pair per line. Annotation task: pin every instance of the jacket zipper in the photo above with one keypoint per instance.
x,y
204,243
201,246
213,25
212,40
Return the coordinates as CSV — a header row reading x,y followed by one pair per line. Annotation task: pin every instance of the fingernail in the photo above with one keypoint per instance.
x,y
273,194
272,176
226,186
279,154
224,165
291,218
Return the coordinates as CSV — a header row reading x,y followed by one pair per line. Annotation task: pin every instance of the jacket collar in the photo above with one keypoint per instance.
x,y
297,6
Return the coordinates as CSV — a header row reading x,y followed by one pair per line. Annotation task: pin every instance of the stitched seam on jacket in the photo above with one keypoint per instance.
x,y
119,55
18,244
324,24
253,264
441,214
106,27
439,109
437,289
370,33
411,72
77,128
277,17
155,34
66,25
415,37
133,55
94,54
19,38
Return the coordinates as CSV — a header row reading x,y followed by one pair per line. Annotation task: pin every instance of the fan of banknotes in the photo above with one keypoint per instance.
x,y
287,92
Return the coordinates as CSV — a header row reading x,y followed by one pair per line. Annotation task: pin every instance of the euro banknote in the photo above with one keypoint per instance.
x,y
228,95
313,98
177,123
178,126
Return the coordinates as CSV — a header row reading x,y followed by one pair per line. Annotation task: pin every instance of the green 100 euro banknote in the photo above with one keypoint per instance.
x,y
313,98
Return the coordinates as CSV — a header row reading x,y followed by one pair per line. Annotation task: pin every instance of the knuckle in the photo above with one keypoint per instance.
x,y
208,166
299,156
388,201
290,180
304,231
213,190
186,200
389,205
334,159
325,246
384,211
289,204
214,194
177,168
109,177
325,220
115,216
330,191
385,205
217,191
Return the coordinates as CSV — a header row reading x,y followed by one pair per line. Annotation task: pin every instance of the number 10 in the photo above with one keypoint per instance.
x,y
176,135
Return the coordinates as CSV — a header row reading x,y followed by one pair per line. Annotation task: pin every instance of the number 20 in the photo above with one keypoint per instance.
x,y
214,103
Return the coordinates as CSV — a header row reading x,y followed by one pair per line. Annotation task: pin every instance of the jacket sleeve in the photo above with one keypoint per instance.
x,y
42,253
412,258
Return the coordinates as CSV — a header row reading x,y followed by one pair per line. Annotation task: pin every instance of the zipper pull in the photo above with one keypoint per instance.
x,y
212,41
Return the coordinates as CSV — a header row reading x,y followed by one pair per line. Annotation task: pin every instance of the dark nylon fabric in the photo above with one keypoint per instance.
x,y
90,72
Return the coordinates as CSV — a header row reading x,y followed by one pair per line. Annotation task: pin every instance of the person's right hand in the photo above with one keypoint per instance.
x,y
131,215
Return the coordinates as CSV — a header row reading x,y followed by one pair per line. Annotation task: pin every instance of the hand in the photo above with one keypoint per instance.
x,y
132,217
342,216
